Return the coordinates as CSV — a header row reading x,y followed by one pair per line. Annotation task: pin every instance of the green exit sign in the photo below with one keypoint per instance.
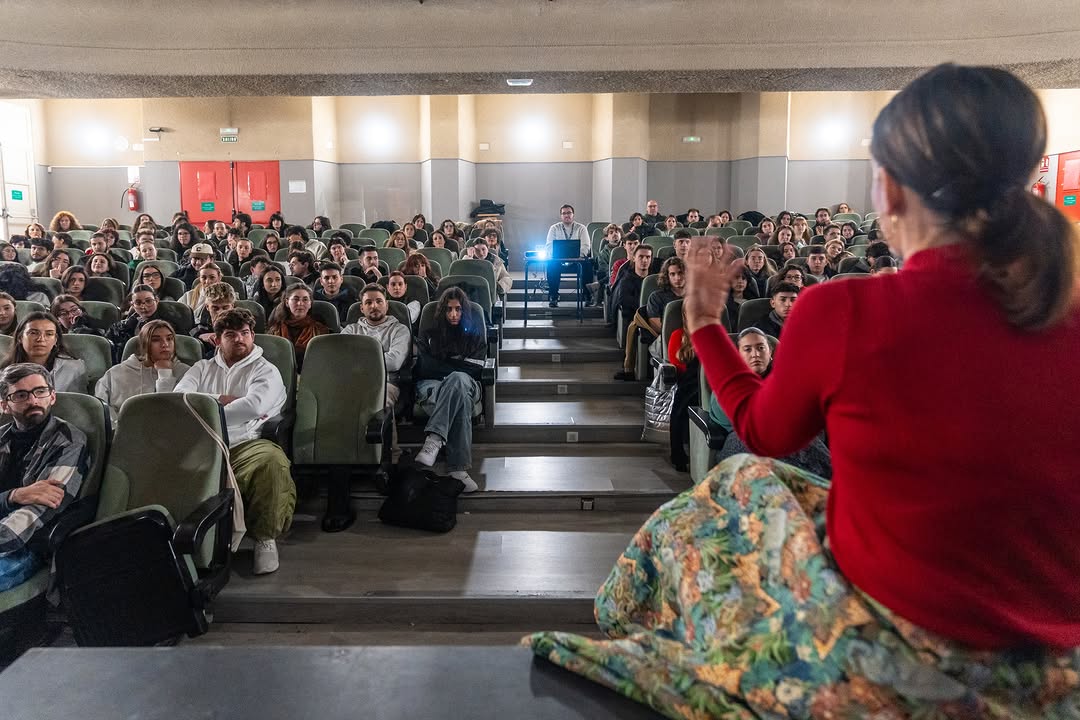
x,y
229,138
258,205
1070,200
207,207
16,194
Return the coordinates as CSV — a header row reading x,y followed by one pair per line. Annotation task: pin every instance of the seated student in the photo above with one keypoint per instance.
x,y
670,286
99,265
876,249
219,298
200,255
781,299
258,266
832,232
480,250
144,308
43,461
330,289
339,249
450,233
218,232
185,238
755,350
848,230
630,243
99,244
302,265
671,223
399,240
271,244
194,298
152,368
743,288
9,320
69,313
687,394
759,269
369,265
144,250
822,221
40,339
884,266
397,288
8,252
54,265
394,337
39,250
816,263
612,240
16,281
438,239
61,240
296,234
417,264
227,246
271,288
681,243
451,356
292,319
802,231
150,274
835,252
245,251
496,247
765,231
635,223
626,290
790,273
251,389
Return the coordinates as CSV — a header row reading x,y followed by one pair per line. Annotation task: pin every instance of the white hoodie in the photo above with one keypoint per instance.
x,y
254,380
131,378
392,335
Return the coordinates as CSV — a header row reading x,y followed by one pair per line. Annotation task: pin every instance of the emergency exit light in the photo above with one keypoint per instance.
x,y
692,139
229,131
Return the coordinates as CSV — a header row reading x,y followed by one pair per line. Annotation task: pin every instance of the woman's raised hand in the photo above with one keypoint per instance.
x,y
708,282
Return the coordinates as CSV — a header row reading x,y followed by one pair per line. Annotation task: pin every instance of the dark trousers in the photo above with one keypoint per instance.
x,y
687,394
555,271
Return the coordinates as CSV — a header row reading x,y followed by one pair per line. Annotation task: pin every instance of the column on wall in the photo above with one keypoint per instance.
x,y
447,168
760,152
620,146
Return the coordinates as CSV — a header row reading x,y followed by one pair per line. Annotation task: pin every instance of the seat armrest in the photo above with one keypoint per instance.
x,y
487,373
493,333
378,426
79,513
667,371
211,511
714,434
276,426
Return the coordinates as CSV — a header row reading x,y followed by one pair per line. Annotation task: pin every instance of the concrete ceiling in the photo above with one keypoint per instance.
x,y
116,48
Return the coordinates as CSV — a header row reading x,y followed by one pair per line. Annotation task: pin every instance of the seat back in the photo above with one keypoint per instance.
x,y
724,232
330,231
859,249
91,416
280,353
95,351
850,276
256,235
52,286
659,241
617,254
327,314
344,387
444,257
393,308
354,228
480,268
178,315
188,349
100,314
849,265
257,310
743,241
105,289
740,225
752,312
393,257
648,287
236,284
840,218
377,235
476,288
416,288
25,307
672,321
225,268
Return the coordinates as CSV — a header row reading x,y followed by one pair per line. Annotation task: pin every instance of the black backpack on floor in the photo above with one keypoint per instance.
x,y
418,498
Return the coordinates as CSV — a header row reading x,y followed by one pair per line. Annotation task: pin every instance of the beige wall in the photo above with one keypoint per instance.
x,y
532,128
85,132
324,130
710,116
467,128
1062,108
833,125
603,126
630,132
379,129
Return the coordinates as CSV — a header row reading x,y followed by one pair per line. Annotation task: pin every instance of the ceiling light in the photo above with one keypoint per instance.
x,y
519,82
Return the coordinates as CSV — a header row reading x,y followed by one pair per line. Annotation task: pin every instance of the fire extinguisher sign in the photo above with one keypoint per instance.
x,y
1044,166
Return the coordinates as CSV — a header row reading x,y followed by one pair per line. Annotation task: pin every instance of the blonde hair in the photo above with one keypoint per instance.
x,y
142,344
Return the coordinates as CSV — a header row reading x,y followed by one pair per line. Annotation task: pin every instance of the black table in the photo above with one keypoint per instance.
x,y
296,683
579,272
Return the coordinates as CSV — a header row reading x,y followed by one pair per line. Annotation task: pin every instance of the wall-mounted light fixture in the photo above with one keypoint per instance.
x,y
519,82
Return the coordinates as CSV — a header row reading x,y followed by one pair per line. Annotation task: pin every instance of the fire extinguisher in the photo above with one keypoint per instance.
x,y
131,197
1039,188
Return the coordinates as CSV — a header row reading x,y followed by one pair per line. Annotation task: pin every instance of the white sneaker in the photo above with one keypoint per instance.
x,y
432,445
470,484
266,557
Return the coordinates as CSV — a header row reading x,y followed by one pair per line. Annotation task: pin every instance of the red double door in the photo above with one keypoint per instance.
x,y
219,189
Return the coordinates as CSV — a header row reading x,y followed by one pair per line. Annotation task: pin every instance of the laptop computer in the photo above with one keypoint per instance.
x,y
565,249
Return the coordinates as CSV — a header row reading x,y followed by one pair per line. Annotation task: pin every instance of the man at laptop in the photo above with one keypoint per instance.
x,y
573,240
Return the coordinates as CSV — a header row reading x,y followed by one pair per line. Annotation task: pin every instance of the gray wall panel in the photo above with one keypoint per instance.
x,y
467,197
629,184
759,184
427,192
824,183
327,191
298,208
161,188
533,193
446,191
602,190
679,185
90,194
371,192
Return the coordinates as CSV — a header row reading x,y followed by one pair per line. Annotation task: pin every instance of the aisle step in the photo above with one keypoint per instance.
x,y
561,350
540,310
563,381
562,327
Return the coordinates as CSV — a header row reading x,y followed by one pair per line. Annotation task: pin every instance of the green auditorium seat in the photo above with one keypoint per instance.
x,y
95,351
745,242
740,225
188,349
858,249
327,314
24,256
100,314
657,242
672,321
257,236
23,608
416,288
484,410
167,267
224,267
641,369
76,255
257,310
752,312
851,265
850,276
393,308
120,255
377,235
384,269
621,322
354,228
25,307
391,256
178,315
484,269
444,257
341,422
596,225
235,283
52,286
351,281
146,571
280,353
326,234
841,218
724,232
80,234
871,216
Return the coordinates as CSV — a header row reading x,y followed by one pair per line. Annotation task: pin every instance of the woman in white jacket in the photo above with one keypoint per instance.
x,y
153,368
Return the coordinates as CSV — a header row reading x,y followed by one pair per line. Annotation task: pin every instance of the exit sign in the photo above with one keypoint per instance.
x,y
16,194
229,138
1070,200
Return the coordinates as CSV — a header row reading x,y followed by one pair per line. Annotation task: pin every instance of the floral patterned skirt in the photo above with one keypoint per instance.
x,y
727,605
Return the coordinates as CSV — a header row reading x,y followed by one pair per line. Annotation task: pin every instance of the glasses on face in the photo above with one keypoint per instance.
x,y
151,276
36,334
144,302
68,312
21,396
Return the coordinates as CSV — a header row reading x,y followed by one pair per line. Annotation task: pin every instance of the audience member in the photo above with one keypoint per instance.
x,y
816,263
848,230
397,288
399,240
151,274
296,238
788,252
338,250
302,265
452,353
783,234
883,266
16,281
792,274
35,230
649,318
39,339
257,266
152,368
652,215
45,461
185,238
54,266
98,265
635,223
874,250
271,244
765,231
503,282
759,269
565,229
241,221
72,318
194,298
218,298
822,221
496,246
612,240
368,266
9,319
743,288
630,243
781,300
61,240
417,264
144,308
292,319
200,255
251,389
8,252
802,231
330,289
245,251
394,337
450,232
64,221
270,289
277,224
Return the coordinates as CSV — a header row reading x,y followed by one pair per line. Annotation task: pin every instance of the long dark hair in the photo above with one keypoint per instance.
x,y
449,340
260,291
15,280
176,246
282,313
409,267
18,355
945,137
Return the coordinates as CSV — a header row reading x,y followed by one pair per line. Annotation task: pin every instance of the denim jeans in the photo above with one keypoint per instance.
x,y
449,404
17,568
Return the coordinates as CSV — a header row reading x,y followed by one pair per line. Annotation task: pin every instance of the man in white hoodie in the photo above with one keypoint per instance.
x,y
251,389
393,336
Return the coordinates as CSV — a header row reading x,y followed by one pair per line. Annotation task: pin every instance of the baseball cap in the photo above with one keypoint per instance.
x,y
202,249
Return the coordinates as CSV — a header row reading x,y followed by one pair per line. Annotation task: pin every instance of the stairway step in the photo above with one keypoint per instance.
x,y
562,327
565,297
540,310
561,350
563,381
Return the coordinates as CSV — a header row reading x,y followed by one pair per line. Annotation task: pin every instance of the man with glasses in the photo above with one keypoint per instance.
x,y
652,216
565,229
251,389
42,464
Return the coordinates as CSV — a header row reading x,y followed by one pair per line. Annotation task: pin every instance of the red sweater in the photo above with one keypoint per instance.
x,y
955,446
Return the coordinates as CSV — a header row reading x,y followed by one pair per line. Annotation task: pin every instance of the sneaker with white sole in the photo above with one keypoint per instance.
x,y
468,482
432,445
266,557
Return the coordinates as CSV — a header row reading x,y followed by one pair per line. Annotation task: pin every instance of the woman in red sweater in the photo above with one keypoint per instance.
x,y
938,575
